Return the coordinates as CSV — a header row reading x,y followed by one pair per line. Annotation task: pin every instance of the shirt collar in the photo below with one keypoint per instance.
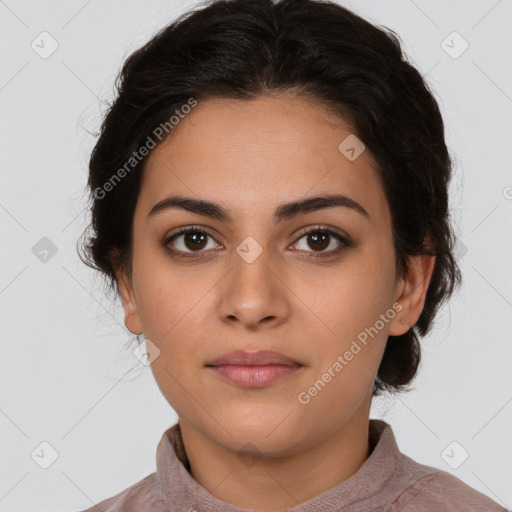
x,y
181,492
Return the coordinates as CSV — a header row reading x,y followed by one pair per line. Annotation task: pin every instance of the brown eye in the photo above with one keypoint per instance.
x,y
193,243
189,241
322,241
318,240
194,240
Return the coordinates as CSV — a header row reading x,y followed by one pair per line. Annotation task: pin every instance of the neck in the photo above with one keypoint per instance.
x,y
273,484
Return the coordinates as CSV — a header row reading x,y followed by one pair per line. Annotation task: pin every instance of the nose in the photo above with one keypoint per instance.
x,y
255,294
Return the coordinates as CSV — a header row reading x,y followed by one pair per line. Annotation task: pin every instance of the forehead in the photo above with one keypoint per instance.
x,y
253,155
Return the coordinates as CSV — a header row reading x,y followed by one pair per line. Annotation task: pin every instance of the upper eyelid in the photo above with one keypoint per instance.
x,y
188,229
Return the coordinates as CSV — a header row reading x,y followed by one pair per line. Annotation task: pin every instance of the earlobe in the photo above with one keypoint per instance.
x,y
414,290
132,318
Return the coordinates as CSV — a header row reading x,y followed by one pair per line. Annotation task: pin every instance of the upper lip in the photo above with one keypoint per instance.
x,y
261,357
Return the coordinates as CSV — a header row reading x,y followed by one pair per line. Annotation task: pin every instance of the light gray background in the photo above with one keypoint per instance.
x,y
62,343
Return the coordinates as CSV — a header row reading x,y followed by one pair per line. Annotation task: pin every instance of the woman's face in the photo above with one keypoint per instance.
x,y
256,281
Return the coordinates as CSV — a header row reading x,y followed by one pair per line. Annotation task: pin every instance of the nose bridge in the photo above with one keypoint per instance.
x,y
253,292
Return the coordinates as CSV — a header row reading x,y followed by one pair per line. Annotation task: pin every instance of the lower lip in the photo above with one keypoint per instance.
x,y
256,376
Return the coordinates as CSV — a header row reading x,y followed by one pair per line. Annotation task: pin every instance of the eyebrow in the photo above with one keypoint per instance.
x,y
283,212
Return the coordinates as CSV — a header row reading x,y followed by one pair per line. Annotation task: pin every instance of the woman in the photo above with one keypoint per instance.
x,y
269,200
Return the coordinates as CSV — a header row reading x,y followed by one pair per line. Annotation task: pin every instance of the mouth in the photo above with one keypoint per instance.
x,y
254,369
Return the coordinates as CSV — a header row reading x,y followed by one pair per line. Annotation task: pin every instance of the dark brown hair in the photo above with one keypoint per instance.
x,y
242,49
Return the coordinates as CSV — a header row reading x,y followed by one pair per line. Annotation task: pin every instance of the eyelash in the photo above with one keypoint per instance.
x,y
176,253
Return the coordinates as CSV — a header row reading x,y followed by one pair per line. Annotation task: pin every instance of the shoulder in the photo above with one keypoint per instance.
x,y
140,497
434,489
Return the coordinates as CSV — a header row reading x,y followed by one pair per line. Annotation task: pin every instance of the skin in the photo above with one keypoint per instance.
x,y
251,157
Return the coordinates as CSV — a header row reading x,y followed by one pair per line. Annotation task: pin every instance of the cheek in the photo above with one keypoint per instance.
x,y
174,309
347,364
355,314
351,301
171,299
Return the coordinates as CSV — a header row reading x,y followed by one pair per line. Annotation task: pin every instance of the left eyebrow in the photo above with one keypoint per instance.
x,y
283,212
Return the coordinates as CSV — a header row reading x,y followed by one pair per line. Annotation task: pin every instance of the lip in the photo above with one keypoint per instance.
x,y
248,358
253,369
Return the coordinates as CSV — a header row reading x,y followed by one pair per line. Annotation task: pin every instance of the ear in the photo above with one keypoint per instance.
x,y
132,318
412,290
